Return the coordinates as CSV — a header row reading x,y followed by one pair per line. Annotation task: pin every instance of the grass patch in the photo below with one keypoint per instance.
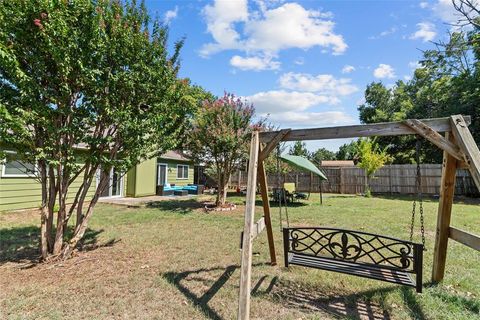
x,y
171,260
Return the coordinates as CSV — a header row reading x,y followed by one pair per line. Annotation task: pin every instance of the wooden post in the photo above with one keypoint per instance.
x,y
447,190
262,180
246,267
320,187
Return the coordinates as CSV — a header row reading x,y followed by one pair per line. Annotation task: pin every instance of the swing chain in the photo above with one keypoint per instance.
x,y
419,196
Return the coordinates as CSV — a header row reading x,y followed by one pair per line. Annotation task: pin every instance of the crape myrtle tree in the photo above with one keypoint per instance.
x,y
220,135
85,86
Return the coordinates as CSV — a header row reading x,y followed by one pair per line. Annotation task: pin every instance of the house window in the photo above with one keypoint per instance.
x,y
12,167
182,171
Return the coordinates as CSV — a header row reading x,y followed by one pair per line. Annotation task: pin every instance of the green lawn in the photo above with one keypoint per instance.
x,y
173,261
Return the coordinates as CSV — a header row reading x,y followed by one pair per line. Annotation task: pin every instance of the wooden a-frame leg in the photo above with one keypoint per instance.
x,y
447,189
262,180
246,267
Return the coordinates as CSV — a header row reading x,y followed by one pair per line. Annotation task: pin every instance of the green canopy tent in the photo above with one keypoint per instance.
x,y
304,164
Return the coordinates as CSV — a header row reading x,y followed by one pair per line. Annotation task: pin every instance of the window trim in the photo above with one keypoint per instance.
x,y
9,175
178,171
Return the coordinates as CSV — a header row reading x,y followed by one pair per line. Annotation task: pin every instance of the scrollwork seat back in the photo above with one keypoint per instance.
x,y
352,246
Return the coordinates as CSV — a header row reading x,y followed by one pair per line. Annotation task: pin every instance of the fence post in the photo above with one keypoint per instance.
x,y
341,181
390,179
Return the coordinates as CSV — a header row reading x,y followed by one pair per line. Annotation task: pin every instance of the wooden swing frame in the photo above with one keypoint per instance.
x,y
459,151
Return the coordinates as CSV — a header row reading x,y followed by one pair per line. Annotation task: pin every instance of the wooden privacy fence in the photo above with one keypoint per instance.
x,y
391,179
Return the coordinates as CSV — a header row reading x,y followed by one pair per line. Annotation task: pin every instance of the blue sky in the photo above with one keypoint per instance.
x,y
303,63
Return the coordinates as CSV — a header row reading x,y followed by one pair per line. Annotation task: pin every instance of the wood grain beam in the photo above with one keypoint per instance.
x,y
362,130
246,267
272,144
468,146
262,181
466,238
447,190
434,137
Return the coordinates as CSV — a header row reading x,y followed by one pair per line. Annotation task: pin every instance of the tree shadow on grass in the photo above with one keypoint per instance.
x,y
359,305
216,277
177,206
21,244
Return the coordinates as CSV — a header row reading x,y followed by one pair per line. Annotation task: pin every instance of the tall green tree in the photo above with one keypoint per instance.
x,y
299,148
446,83
322,154
220,137
348,151
88,86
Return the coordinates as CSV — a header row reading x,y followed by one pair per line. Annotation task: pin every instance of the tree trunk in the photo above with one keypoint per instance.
x,y
43,212
222,189
62,211
82,227
52,194
222,194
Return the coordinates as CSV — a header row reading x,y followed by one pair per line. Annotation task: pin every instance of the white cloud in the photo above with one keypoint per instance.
x,y
426,32
276,101
414,65
384,71
423,5
220,18
299,61
311,119
170,15
407,77
385,33
292,26
348,68
254,63
444,10
270,30
325,84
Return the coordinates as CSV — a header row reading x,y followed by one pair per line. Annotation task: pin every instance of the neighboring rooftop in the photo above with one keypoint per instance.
x,y
337,163
174,155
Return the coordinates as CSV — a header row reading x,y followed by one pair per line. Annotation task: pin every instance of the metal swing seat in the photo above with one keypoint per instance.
x,y
357,253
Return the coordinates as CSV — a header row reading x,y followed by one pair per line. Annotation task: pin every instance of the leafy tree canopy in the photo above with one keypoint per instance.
x,y
86,86
299,148
446,83
322,154
220,135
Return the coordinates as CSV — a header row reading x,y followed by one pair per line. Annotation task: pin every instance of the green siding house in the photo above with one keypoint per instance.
x,y
19,189
170,168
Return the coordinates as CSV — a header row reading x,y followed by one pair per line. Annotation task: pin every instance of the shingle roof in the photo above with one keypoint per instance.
x,y
174,155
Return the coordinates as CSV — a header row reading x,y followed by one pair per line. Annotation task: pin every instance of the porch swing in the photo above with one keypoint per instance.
x,y
363,254
359,253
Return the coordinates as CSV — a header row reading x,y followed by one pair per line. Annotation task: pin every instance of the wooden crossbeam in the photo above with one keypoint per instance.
x,y
434,137
362,130
466,238
468,146
272,144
